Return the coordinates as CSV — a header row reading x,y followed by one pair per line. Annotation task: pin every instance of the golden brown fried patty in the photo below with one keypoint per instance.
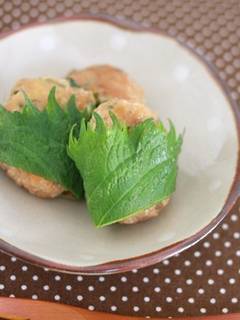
x,y
38,90
36,185
131,114
109,82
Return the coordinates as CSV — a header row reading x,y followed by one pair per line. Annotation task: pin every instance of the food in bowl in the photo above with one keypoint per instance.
x,y
83,136
37,91
108,82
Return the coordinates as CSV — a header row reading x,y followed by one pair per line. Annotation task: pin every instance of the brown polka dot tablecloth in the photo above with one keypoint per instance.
x,y
205,279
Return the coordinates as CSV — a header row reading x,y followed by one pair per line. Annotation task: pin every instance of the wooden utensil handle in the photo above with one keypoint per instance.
x,y
10,317
22,309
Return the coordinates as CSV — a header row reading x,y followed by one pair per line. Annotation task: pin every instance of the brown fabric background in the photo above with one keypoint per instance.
x,y
202,280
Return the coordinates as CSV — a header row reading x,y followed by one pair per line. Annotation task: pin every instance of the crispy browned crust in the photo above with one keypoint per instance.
x,y
109,82
131,113
147,214
36,185
38,90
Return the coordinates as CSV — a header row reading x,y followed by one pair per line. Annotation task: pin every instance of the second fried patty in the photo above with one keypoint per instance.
x,y
38,90
131,113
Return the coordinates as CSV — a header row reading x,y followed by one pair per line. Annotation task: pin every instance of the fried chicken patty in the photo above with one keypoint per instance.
x,y
108,82
131,114
38,91
36,185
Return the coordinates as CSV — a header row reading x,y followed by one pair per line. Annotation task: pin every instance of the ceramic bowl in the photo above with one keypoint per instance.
x,y
59,234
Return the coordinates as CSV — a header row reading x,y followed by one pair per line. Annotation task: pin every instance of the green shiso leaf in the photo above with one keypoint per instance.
x,y
125,170
35,141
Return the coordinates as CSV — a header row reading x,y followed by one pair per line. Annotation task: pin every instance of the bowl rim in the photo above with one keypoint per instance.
x,y
137,262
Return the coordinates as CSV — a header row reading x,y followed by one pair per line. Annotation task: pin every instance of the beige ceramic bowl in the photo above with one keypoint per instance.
x,y
59,233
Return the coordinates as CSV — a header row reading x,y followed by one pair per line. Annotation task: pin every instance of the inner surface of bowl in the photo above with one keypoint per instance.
x,y
177,86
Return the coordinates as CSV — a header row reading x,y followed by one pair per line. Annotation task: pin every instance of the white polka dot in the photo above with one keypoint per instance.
x,y
124,298
79,298
199,272
13,277
232,281
229,262
12,296
2,268
79,278
234,300
203,310
234,217
158,309
101,279
23,287
189,281
2,286
220,272
102,298
224,310
216,235
225,226
136,308
57,278
218,253
236,235
201,291
113,288
146,299
13,259
135,289
35,277
238,253
113,308
166,262
191,300
156,271
169,299
7,18
145,279
124,279
179,290
187,263
206,244
46,287
46,269
222,290
135,271
211,281
68,287
91,288
212,300
34,297
197,254
180,309
157,289
91,308
227,244
167,280
208,263
24,268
